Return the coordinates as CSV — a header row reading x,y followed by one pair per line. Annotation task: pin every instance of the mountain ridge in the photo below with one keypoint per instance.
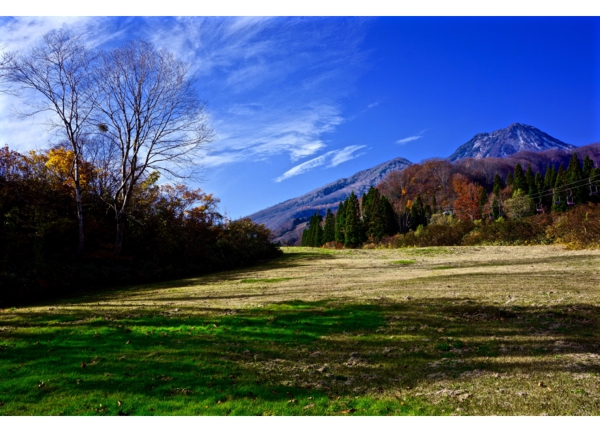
x,y
508,141
327,196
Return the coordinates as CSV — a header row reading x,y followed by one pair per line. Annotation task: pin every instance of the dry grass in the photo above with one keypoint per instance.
x,y
461,330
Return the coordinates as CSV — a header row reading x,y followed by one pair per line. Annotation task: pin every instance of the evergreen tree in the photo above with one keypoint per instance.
x,y
539,182
510,179
483,199
310,236
353,234
530,181
495,208
417,212
519,180
559,198
575,174
369,207
314,237
304,238
498,185
390,219
329,229
588,165
434,208
549,177
428,212
549,182
374,215
340,224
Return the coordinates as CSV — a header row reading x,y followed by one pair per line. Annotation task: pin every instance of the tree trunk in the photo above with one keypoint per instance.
x,y
79,207
120,219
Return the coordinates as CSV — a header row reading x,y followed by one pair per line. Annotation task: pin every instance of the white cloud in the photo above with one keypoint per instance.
x,y
332,159
258,134
408,139
272,83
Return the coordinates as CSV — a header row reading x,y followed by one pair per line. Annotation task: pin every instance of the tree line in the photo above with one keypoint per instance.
x,y
438,192
91,210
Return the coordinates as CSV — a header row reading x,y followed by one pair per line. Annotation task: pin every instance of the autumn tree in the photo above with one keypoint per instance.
x,y
467,205
151,113
58,72
519,205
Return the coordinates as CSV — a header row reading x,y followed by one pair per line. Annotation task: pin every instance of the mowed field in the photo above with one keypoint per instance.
x,y
423,331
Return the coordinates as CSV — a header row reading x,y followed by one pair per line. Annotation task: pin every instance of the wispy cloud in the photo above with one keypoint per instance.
x,y
273,84
373,105
406,140
332,159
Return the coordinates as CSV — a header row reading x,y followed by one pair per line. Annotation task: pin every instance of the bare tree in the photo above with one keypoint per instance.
x,y
152,115
59,72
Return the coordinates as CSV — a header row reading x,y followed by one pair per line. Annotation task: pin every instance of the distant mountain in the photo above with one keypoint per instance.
x,y
289,218
505,142
285,217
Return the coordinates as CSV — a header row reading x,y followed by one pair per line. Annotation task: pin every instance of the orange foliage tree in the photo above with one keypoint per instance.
x,y
467,205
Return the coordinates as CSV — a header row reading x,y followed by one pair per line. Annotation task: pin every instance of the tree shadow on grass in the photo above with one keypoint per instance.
x,y
264,359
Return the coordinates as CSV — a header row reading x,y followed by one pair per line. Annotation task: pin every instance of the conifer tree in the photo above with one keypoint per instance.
x,y
340,224
304,238
483,200
417,211
575,174
434,208
510,179
428,212
369,203
588,165
310,236
390,219
498,185
353,234
329,229
374,215
548,177
495,208
539,182
530,181
519,180
559,197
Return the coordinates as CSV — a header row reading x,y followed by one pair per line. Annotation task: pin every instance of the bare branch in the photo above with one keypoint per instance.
x,y
151,113
58,75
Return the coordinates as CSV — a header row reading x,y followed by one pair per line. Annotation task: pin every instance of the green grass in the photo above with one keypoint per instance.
x,y
338,334
403,262
149,364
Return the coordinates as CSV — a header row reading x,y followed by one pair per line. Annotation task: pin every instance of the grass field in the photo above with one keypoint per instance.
x,y
430,331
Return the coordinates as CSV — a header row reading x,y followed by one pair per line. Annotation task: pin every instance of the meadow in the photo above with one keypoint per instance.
x,y
416,331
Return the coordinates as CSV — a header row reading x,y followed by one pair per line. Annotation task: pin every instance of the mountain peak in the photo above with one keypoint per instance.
x,y
505,142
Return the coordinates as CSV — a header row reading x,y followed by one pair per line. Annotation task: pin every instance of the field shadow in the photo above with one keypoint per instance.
x,y
304,349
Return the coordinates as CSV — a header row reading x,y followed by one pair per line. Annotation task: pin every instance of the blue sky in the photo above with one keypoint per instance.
x,y
298,102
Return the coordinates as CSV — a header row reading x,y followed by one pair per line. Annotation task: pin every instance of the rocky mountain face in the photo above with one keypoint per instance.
x,y
505,142
285,218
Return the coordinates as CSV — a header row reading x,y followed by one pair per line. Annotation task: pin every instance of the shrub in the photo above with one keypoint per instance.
x,y
579,228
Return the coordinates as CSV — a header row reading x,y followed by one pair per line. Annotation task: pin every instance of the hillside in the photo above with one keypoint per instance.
x,y
280,217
